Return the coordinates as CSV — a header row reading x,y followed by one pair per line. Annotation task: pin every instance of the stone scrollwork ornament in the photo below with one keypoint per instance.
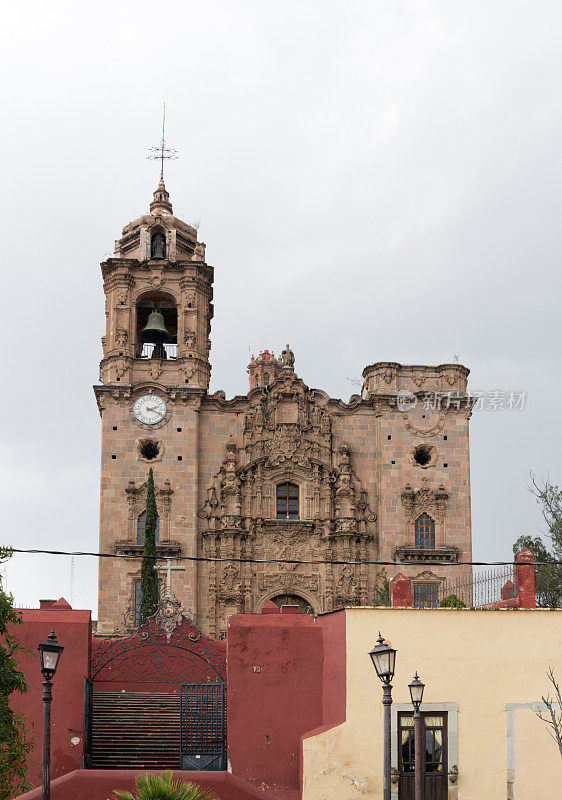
x,y
169,615
287,437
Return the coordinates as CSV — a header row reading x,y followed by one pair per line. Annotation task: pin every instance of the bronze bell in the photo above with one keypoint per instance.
x,y
155,330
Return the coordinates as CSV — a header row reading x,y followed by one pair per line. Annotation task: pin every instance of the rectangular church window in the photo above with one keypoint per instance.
x,y
141,525
287,501
425,595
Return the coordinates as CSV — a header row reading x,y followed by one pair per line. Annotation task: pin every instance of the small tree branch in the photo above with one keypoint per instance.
x,y
555,721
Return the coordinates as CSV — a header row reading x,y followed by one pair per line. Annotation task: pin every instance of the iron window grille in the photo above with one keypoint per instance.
x,y
424,530
426,595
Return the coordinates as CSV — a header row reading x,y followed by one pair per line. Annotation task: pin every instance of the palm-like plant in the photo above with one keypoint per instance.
x,y
162,787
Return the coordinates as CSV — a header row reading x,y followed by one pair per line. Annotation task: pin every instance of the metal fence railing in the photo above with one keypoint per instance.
x,y
170,351
483,589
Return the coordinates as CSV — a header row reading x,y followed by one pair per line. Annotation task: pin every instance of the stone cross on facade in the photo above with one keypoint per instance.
x,y
169,569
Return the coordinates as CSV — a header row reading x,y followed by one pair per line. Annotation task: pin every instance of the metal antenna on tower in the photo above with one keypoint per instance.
x,y
162,151
72,581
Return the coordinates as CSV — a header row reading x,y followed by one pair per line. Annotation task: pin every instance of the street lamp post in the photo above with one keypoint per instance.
x,y
49,655
416,688
384,657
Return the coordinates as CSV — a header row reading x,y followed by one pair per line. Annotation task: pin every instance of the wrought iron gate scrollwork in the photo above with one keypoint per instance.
x,y
167,648
202,726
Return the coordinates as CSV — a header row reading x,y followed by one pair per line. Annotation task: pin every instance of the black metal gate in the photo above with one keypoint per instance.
x,y
202,726
87,734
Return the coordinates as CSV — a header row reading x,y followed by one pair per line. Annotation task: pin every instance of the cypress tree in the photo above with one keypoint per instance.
x,y
149,576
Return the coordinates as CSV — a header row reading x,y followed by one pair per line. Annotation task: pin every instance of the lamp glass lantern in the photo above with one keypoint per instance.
x,y
383,657
416,688
49,654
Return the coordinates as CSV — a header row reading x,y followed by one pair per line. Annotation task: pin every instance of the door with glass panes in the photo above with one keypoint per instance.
x,y
435,766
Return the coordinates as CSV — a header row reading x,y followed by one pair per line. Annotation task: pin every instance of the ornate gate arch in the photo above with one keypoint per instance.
x,y
167,648
133,714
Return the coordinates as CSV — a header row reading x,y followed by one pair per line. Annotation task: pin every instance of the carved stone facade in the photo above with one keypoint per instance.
x,y
355,468
286,437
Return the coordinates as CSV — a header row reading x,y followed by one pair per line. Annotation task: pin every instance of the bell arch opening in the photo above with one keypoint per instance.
x,y
158,245
156,326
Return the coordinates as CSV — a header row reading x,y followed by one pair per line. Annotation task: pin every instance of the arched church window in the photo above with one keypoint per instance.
x,y
266,379
141,527
158,246
424,530
287,501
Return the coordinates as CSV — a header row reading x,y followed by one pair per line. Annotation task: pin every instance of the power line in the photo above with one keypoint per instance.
x,y
436,563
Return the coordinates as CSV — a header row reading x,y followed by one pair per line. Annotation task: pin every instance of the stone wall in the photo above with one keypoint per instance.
x,y
364,470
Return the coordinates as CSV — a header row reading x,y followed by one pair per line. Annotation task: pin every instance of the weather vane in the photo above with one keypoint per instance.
x,y
161,152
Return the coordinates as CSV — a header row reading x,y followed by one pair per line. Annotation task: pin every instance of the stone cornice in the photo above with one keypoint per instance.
x,y
448,555
164,549
218,401
119,268
294,468
416,367
174,395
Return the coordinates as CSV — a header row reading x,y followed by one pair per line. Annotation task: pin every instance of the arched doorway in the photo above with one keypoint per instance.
x,y
303,605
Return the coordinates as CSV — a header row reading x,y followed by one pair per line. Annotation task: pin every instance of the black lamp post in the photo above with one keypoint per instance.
x,y
49,655
384,657
416,688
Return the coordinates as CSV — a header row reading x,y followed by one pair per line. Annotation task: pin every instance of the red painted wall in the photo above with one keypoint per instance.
x,y
99,784
524,584
285,678
333,668
73,629
400,588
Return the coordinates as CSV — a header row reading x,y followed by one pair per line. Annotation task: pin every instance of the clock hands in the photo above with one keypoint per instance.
x,y
149,414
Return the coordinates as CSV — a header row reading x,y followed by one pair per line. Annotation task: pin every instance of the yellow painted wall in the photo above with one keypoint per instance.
x,y
482,660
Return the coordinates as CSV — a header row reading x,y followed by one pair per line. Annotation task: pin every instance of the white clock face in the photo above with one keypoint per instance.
x,y
149,409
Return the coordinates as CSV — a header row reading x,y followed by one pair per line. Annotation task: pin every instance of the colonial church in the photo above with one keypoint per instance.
x,y
285,471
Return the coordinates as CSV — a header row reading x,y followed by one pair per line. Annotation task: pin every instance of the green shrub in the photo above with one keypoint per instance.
x,y
162,787
452,601
381,593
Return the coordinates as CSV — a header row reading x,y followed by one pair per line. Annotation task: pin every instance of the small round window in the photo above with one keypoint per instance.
x,y
149,449
424,455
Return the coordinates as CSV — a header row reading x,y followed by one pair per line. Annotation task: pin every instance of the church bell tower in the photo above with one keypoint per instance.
x,y
159,266
154,372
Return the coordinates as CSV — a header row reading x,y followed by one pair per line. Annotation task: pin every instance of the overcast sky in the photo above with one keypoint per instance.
x,y
374,180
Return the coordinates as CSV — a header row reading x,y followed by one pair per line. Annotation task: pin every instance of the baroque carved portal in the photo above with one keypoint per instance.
x,y
287,438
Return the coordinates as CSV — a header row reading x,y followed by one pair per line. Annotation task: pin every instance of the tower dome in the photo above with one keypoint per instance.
x,y
161,203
